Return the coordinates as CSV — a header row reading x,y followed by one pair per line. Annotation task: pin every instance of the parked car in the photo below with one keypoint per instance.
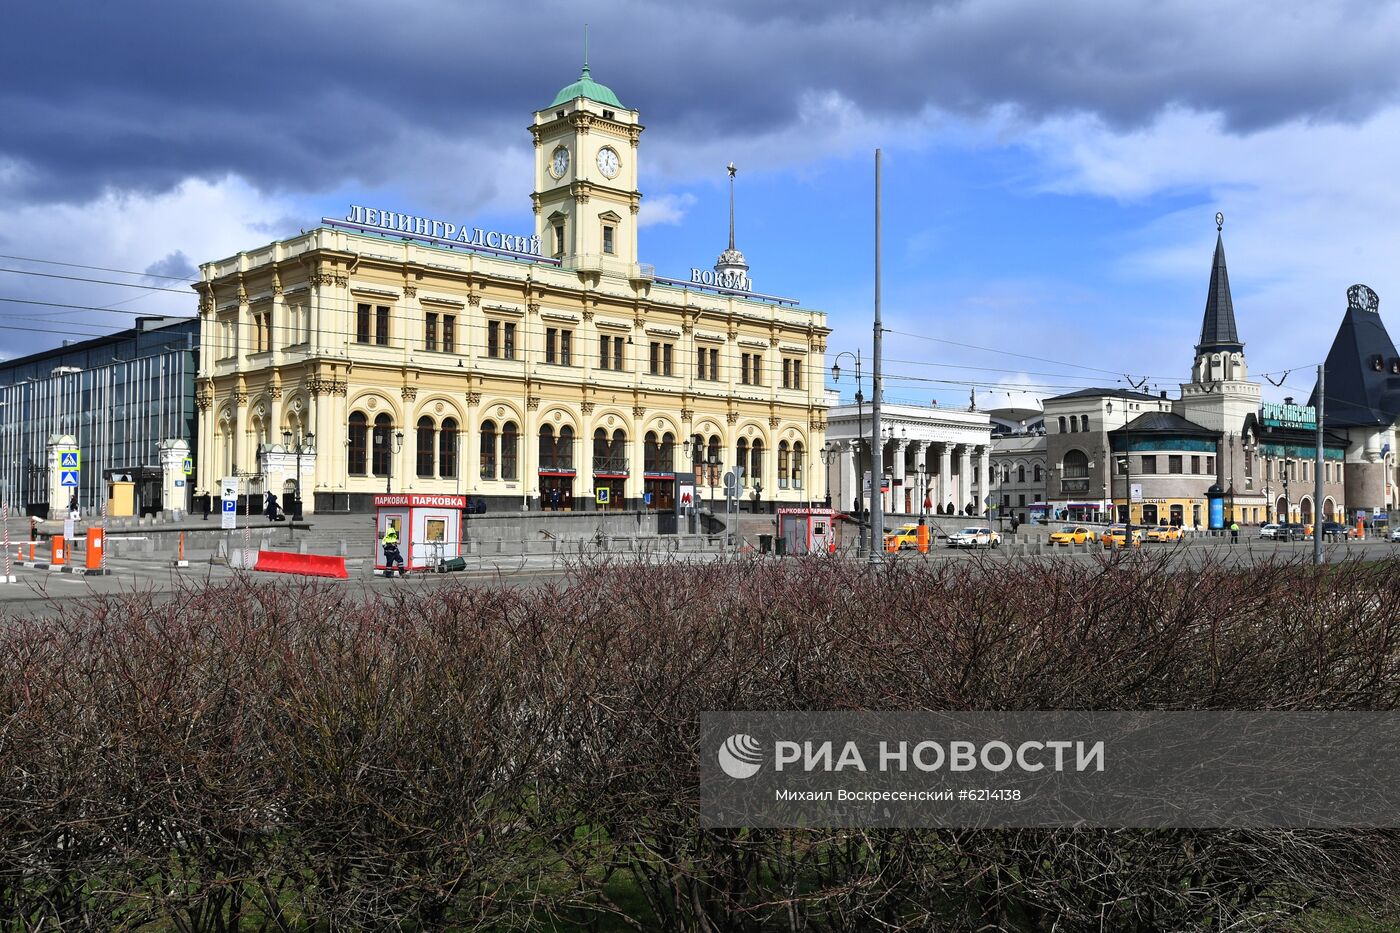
x,y
1073,534
1116,536
906,535
1395,533
1290,531
974,537
1162,534
1268,531
1333,530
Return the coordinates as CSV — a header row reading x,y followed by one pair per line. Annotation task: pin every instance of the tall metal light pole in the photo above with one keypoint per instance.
x,y
828,451
391,450
1317,471
860,427
302,444
877,505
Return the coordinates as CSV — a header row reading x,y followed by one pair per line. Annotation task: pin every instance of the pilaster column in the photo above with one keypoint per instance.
x,y
945,476
897,483
964,476
984,462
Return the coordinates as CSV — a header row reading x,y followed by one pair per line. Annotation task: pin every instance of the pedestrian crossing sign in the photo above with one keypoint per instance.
x,y
68,459
68,478
601,495
187,465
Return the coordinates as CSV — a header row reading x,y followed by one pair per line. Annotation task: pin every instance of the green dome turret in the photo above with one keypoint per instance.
x,y
585,86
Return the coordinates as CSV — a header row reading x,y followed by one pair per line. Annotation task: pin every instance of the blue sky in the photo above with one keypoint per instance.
x,y
1051,172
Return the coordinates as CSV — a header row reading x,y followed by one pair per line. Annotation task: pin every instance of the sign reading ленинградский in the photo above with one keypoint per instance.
x,y
413,225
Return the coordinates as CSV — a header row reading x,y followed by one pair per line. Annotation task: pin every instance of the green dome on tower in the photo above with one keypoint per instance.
x,y
585,86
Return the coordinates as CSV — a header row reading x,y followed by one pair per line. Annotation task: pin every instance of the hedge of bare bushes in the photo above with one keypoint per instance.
x,y
260,756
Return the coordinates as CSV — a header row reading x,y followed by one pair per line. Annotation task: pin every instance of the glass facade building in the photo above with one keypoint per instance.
x,y
120,396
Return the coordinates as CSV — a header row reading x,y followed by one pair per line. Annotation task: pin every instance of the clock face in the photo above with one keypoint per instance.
x,y
608,162
560,163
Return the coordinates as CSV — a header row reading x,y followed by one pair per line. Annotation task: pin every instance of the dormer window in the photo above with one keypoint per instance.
x,y
559,114
608,115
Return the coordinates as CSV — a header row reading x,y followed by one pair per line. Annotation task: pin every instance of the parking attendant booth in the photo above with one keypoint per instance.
x,y
806,531
429,527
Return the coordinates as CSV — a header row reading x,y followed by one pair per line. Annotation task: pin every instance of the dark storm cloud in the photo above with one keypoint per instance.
x,y
175,265
307,96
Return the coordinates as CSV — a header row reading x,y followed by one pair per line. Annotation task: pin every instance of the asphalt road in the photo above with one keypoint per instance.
x,y
37,589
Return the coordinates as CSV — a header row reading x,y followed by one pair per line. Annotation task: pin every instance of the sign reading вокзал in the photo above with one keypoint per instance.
x,y
1116,770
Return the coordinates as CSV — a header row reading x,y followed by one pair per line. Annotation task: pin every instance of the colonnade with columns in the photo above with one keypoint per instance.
x,y
953,478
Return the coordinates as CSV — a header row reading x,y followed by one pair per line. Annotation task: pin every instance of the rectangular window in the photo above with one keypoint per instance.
x,y
493,338
449,333
1210,465
787,373
551,338
566,339
608,239
1174,463
668,353
757,364
605,352
617,353
381,326
700,359
1195,464
654,359
1149,464
714,364
362,323
509,343
430,331
558,240
744,369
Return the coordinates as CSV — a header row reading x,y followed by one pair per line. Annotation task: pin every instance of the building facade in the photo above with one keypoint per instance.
x,y
551,371
933,460
1019,474
113,399
1077,449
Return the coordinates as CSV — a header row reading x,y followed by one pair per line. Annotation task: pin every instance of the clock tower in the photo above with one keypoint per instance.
x,y
586,196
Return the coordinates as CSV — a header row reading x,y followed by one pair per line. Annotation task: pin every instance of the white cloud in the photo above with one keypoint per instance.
x,y
665,209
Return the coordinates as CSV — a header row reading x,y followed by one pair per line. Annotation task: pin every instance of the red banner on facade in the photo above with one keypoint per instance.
x,y
419,501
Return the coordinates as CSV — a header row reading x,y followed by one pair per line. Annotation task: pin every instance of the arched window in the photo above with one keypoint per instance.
x,y
617,451
784,464
756,458
509,453
383,453
1036,474
651,453
712,455
427,440
1062,424
741,457
447,449
1076,472
359,438
600,451
668,453
1021,473
547,447
564,449
488,450
1084,422
799,464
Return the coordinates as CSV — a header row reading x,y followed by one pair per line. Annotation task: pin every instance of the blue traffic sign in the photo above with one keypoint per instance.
x,y
68,460
230,505
68,477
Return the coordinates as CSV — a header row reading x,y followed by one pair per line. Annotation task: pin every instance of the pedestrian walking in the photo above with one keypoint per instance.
x,y
204,504
392,556
270,507
1234,532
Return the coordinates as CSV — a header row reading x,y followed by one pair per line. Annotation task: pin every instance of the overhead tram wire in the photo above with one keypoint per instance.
x,y
79,278
78,265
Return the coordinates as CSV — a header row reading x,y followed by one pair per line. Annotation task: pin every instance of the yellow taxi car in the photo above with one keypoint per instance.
x,y
1073,534
905,536
1163,534
1116,535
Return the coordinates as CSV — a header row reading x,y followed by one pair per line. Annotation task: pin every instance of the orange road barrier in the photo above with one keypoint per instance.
x,y
94,549
923,539
310,565
58,554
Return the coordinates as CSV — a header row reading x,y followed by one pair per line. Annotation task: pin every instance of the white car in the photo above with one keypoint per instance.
x,y
974,537
1395,533
1268,531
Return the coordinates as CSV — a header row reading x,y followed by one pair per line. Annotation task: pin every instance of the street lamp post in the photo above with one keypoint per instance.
x,y
390,451
828,454
303,445
1287,503
860,433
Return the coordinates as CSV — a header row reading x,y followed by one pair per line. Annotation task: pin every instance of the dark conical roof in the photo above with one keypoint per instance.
x,y
1362,368
1218,333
